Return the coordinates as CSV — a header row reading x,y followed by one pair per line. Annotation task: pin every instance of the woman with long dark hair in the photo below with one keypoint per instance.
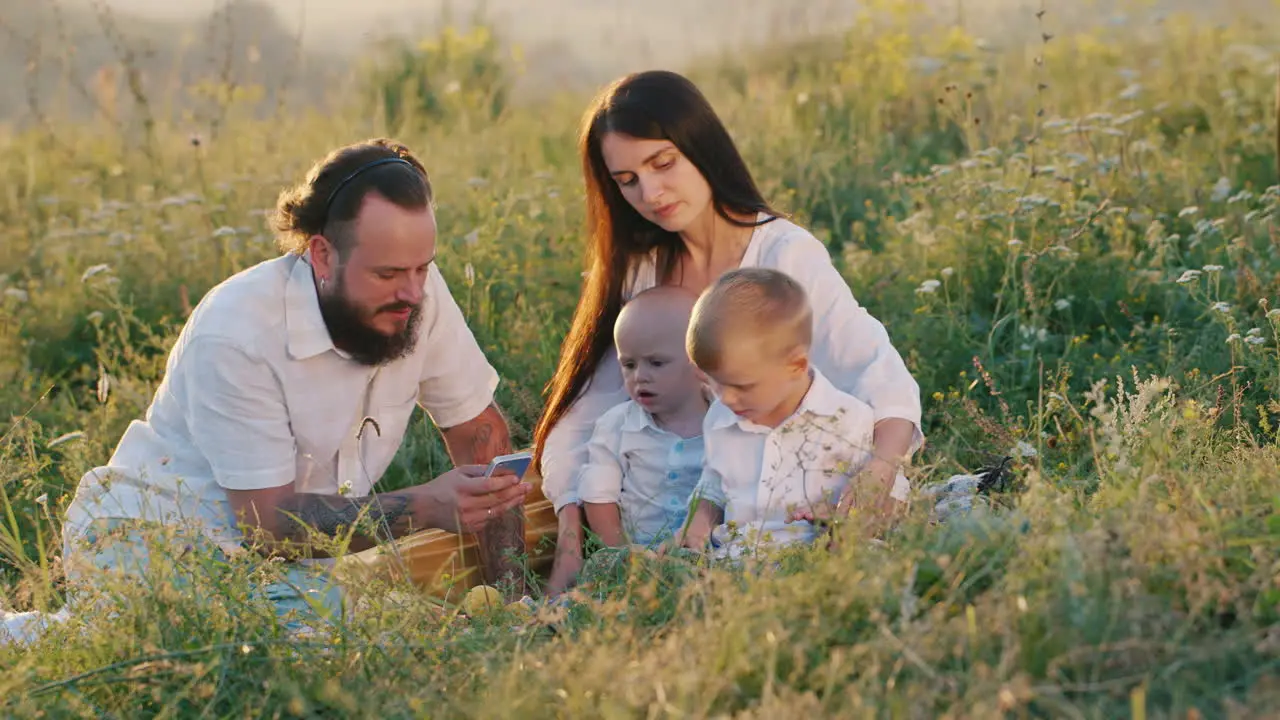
x,y
671,202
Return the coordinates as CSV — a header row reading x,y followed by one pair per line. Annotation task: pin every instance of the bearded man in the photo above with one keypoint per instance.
x,y
289,389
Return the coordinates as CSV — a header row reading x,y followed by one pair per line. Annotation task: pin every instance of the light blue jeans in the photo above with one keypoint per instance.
x,y
303,597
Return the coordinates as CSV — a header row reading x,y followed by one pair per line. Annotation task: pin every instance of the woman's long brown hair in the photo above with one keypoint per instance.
x,y
655,105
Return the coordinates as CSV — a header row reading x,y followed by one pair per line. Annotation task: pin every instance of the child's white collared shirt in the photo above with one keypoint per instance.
x,y
649,472
759,475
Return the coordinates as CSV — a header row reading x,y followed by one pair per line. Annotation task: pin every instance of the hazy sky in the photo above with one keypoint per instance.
x,y
674,27
591,41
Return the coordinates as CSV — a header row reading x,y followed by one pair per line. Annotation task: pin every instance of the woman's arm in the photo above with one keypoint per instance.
x,y
564,455
565,451
852,348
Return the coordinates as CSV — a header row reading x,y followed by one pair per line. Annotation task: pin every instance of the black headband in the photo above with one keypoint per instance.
x,y
357,171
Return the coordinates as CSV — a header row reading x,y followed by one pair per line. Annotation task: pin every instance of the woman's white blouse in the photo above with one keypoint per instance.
x,y
850,347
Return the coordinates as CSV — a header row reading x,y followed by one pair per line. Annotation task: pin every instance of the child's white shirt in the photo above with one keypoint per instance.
x,y
759,475
648,471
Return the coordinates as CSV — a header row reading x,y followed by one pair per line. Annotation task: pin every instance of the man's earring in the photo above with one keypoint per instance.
x,y
322,283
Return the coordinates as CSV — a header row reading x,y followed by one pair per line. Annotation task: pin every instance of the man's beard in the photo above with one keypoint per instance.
x,y
351,334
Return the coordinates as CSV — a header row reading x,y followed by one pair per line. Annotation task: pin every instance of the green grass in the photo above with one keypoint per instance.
x,y
1073,242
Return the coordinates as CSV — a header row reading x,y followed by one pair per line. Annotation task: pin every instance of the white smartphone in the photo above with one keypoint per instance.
x,y
517,463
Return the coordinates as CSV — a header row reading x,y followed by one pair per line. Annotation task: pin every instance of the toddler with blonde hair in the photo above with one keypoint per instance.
x,y
783,446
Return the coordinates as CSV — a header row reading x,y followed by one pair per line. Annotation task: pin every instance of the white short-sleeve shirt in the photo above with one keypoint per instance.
x,y
851,347
255,395
759,475
647,471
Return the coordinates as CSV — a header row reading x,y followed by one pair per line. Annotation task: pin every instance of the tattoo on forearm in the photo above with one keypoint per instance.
x,y
331,516
480,440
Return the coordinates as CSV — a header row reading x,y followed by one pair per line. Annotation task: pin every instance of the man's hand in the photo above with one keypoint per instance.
x,y
464,501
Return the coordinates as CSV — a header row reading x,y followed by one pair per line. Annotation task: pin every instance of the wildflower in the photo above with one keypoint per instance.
x,y
1188,211
104,384
1023,449
926,65
1233,337
224,231
43,500
1212,268
1221,190
17,294
95,270
947,272
66,438
1128,118
1132,92
1061,304
1222,307
1015,243
929,286
472,237
1189,276
1273,313
1255,340
476,182
345,488
1028,331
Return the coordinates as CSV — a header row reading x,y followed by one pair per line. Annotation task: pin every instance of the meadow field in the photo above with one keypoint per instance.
x,y
1071,235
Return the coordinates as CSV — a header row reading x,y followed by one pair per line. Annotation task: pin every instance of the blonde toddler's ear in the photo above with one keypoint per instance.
x,y
799,361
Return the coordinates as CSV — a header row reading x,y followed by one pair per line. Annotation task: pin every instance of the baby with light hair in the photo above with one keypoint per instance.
x,y
645,456
783,446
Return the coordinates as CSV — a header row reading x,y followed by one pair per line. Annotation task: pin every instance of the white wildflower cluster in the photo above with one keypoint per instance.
x,y
1032,336
93,272
1221,190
